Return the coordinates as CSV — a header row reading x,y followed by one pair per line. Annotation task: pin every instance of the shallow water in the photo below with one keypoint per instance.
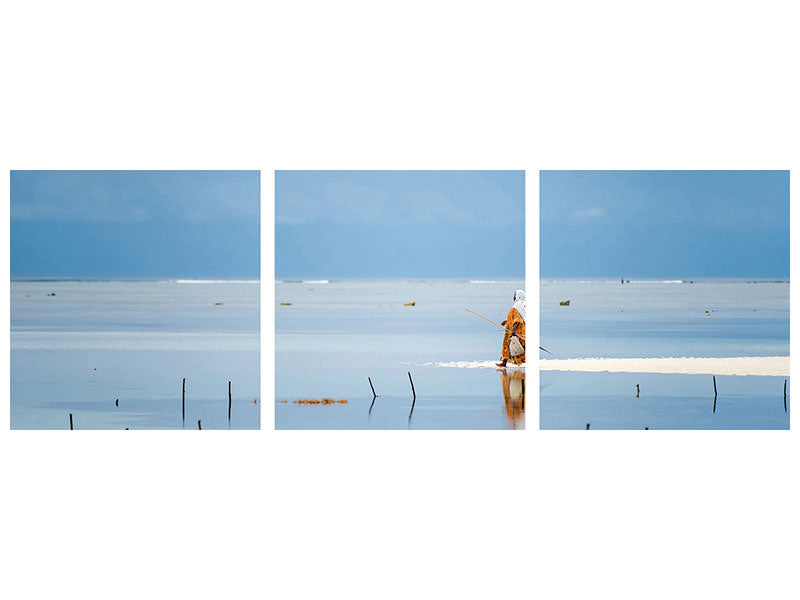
x,y
394,412
570,400
660,319
98,341
663,319
334,336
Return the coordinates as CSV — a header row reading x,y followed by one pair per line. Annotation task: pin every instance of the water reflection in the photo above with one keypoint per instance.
x,y
785,405
513,385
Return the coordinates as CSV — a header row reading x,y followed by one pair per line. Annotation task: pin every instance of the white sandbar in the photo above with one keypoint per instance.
x,y
477,364
738,365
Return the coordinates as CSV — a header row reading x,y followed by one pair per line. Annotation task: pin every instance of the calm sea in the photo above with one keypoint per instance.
x,y
701,318
79,346
334,335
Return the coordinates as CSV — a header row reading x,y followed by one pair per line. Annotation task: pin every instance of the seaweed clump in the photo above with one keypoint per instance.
x,y
322,401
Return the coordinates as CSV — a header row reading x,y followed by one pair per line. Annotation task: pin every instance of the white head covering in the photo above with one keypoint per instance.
x,y
519,302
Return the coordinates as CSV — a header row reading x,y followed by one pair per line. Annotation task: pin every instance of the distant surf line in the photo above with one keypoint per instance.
x,y
701,280
214,280
125,280
401,279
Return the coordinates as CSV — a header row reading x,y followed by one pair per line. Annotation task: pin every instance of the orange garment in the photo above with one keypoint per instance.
x,y
513,317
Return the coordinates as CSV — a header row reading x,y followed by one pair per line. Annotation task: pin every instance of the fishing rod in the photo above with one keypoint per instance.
x,y
492,322
501,327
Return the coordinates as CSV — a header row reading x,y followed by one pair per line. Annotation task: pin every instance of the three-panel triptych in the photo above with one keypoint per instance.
x,y
400,300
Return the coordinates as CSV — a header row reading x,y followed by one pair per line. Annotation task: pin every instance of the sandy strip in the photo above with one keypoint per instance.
x,y
739,365
476,364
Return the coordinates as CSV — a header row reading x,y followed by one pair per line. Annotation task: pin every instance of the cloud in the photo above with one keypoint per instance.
x,y
397,198
134,197
289,220
343,202
97,209
590,213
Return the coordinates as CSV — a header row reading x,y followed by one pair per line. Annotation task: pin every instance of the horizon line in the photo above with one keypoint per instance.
x,y
128,278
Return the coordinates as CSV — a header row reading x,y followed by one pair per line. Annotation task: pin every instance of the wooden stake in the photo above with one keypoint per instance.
x,y
784,395
374,395
414,401
198,424
587,426
229,402
70,421
183,402
715,393
637,390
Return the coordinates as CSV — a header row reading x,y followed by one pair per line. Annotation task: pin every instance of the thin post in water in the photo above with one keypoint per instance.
x,y
199,426
374,395
70,421
587,426
715,385
784,395
413,391
183,402
637,390
229,402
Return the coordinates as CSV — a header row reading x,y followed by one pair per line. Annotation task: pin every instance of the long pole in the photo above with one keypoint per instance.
x,y
374,395
493,323
484,318
414,392
503,328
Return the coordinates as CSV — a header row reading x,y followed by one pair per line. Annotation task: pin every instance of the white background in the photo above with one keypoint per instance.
x,y
511,85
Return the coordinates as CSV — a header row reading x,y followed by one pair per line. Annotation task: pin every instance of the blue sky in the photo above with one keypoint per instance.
x,y
192,224
672,224
399,224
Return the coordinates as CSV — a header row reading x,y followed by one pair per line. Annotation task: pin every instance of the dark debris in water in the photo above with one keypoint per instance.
x,y
321,401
